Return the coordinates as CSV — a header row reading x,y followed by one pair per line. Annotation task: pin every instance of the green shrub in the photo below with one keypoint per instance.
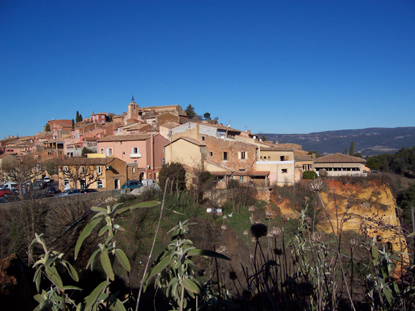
x,y
310,175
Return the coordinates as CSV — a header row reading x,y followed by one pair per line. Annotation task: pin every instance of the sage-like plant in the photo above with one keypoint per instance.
x,y
48,265
174,268
107,252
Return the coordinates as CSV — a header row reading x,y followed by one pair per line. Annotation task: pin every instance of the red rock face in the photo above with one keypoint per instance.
x,y
15,285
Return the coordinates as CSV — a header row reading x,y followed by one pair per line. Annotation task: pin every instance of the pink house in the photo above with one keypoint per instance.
x,y
144,150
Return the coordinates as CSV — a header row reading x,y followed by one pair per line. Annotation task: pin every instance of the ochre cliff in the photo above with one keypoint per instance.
x,y
366,207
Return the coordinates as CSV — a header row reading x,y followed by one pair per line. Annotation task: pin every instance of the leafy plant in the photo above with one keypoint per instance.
x,y
174,268
48,265
107,253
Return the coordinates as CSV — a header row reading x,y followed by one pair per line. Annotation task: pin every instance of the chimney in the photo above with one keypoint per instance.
x,y
248,131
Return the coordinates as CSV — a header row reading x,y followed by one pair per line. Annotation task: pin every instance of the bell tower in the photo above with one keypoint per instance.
x,y
132,109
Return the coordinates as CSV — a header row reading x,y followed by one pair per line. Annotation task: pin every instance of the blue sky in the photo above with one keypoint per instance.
x,y
269,66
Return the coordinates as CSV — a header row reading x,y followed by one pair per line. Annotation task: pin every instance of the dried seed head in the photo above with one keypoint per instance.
x,y
353,242
224,217
269,214
224,227
232,275
276,231
252,209
259,230
245,232
317,185
277,251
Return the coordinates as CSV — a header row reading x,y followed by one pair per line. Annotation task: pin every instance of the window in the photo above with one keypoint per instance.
x,y
110,152
242,155
82,169
99,170
66,184
211,154
133,170
123,153
65,169
282,158
241,179
136,150
203,138
224,156
284,170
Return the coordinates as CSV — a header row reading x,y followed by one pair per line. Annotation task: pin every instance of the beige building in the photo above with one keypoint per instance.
x,y
341,165
92,173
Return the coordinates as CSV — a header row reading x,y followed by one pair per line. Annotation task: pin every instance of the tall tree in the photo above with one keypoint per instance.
x,y
190,112
20,171
352,148
78,117
73,124
206,116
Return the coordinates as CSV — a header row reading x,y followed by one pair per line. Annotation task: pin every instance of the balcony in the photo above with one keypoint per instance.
x,y
135,155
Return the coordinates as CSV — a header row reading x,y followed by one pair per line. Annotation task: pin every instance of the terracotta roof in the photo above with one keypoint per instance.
x,y
129,137
88,161
190,140
90,138
339,158
303,157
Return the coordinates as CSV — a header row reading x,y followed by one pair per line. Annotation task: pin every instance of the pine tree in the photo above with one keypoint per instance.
x,y
190,112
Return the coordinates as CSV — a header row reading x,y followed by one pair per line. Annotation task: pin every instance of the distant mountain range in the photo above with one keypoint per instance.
x,y
370,141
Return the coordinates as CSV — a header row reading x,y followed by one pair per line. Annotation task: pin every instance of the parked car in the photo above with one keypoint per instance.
x,y
52,189
5,192
70,192
132,184
39,184
11,186
47,179
88,190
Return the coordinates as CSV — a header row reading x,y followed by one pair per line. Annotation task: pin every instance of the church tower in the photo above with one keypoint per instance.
x,y
133,110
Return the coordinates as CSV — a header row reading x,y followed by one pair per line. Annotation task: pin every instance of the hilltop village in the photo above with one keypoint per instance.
x,y
136,144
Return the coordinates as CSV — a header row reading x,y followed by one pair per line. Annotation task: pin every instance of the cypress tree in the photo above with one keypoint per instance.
x,y
352,148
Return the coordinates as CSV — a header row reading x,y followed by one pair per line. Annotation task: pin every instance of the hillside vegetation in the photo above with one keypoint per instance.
x,y
324,245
